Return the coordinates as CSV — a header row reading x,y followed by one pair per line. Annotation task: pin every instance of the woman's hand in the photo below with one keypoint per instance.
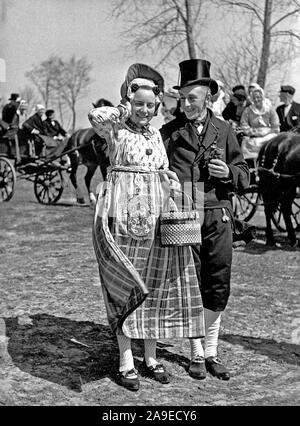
x,y
127,105
218,168
171,179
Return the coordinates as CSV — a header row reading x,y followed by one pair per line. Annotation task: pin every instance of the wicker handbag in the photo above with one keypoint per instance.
x,y
180,228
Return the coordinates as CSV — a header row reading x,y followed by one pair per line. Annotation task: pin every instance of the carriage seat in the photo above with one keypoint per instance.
x,y
251,145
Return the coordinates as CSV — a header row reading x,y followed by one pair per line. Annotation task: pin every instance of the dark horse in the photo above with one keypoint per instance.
x,y
92,152
279,177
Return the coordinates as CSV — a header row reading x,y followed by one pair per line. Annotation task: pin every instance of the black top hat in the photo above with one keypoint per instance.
x,y
288,89
196,71
14,97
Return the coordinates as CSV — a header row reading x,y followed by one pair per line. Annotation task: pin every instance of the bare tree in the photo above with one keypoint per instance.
x,y
165,27
238,63
29,95
61,83
71,83
274,19
44,76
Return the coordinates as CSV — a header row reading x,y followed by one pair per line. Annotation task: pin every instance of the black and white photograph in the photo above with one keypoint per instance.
x,y
149,206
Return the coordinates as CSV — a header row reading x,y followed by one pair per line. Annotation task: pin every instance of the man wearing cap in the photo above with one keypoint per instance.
x,y
52,127
205,154
34,127
289,111
234,109
9,110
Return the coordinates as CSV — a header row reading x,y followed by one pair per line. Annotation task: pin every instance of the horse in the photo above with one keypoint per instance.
x,y
278,179
92,152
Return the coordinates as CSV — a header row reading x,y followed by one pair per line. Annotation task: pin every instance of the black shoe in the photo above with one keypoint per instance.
x,y
129,379
197,368
157,372
215,367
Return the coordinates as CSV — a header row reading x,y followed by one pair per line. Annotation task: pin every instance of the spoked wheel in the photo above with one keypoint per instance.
x,y
245,203
7,179
48,186
277,216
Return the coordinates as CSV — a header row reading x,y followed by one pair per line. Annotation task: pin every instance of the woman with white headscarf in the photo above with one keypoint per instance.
x,y
259,123
150,292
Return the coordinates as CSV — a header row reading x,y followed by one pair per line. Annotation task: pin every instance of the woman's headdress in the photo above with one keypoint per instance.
x,y
142,75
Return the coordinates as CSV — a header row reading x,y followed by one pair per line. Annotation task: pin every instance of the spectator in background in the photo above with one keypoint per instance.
x,y
218,101
289,111
52,127
34,127
22,113
10,109
170,105
253,86
259,123
235,107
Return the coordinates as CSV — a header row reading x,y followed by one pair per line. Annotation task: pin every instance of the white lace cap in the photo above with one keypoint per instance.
x,y
142,82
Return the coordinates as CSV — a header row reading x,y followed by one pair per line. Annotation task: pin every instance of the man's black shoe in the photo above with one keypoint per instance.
x,y
197,368
215,367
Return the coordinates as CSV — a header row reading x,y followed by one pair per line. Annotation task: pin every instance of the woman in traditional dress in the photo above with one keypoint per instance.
x,y
259,123
150,292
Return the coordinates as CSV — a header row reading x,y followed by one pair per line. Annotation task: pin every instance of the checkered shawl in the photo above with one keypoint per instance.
x,y
150,291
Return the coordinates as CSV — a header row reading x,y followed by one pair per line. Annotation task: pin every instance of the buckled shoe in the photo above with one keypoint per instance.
x,y
215,367
157,372
129,379
197,368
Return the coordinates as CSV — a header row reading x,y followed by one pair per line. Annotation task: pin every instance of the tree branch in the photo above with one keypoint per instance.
x,y
287,15
253,8
289,33
179,11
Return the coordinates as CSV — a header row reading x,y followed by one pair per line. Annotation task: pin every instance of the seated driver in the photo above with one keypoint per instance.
x,y
33,127
52,127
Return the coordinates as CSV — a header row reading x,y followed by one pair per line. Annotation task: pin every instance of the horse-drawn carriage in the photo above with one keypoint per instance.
x,y
274,185
45,171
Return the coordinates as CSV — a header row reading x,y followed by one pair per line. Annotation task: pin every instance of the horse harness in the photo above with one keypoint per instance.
x,y
283,177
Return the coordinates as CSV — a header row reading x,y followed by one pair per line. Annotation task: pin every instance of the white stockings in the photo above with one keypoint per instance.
x,y
212,326
126,357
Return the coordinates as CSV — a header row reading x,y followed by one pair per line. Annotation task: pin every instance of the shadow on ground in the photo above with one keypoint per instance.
x,y
44,349
259,246
277,351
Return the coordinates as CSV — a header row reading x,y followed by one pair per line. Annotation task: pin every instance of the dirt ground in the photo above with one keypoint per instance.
x,y
50,295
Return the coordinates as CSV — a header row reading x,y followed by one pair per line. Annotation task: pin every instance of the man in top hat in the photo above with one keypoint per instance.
x,y
9,110
289,111
204,152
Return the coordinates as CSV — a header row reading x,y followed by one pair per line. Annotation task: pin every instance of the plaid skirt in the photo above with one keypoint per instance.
x,y
150,291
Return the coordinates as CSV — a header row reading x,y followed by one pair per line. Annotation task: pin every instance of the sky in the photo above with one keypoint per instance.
x,y
32,30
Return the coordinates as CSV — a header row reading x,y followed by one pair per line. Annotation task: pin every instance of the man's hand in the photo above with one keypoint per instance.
x,y
35,132
218,168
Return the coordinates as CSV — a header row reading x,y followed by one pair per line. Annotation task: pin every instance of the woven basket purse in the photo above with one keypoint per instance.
x,y
180,228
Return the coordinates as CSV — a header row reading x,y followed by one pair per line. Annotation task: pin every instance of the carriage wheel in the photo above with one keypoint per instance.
x,y
7,179
277,216
48,186
245,203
